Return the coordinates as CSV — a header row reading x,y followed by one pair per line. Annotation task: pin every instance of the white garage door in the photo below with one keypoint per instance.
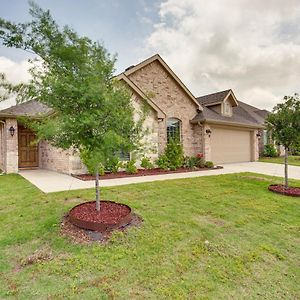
x,y
228,145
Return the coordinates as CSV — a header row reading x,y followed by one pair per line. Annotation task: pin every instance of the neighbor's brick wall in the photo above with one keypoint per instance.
x,y
11,147
171,99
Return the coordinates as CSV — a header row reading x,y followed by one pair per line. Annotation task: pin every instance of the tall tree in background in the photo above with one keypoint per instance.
x,y
74,76
284,123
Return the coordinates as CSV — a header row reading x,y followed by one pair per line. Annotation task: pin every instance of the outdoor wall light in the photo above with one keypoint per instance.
x,y
258,135
208,131
12,130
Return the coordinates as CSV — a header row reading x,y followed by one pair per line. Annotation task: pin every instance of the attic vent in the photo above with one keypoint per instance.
x,y
129,68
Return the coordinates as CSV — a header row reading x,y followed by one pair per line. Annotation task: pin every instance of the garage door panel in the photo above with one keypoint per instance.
x,y
228,145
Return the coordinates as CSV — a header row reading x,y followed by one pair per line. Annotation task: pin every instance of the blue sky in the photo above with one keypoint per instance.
x,y
250,46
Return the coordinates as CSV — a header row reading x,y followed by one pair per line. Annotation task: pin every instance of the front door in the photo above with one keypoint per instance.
x,y
28,149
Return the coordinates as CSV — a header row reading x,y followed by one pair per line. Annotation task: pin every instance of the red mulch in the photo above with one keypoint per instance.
x,y
110,212
280,189
141,172
82,236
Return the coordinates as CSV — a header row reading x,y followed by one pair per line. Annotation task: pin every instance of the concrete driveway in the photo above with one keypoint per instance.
x,y
49,181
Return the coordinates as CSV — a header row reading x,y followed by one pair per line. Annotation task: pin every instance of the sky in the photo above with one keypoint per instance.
x,y
250,46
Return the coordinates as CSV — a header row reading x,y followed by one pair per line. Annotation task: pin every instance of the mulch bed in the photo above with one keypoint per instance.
x,y
111,215
280,189
141,172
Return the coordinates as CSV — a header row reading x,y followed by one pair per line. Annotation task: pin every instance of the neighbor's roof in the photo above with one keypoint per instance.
x,y
243,114
30,108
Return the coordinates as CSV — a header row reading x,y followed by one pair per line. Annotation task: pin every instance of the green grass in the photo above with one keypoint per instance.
x,y
253,250
293,160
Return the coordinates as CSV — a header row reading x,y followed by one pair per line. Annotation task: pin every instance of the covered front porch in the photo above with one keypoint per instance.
x,y
19,148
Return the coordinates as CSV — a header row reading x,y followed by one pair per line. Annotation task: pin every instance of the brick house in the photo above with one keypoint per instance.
x,y
218,125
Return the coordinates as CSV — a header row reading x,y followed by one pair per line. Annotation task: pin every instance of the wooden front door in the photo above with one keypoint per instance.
x,y
28,149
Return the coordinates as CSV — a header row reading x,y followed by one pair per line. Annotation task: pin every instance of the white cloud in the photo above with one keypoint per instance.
x,y
251,46
15,72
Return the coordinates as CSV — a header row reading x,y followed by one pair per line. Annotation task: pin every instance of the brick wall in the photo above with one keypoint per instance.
x,y
149,142
2,146
11,147
154,80
59,160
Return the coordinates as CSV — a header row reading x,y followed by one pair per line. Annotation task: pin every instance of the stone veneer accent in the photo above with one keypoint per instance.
x,y
166,93
149,142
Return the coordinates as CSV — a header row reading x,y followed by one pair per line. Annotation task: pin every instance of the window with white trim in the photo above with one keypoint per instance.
x,y
227,109
173,129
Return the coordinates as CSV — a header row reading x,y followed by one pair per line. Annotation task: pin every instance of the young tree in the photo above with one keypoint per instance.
x,y
74,76
284,124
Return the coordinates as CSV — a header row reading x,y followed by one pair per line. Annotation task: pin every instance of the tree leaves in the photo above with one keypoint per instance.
x,y
73,76
284,121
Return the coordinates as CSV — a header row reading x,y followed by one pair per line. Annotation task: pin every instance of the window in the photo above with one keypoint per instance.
x,y
266,137
173,129
227,109
124,156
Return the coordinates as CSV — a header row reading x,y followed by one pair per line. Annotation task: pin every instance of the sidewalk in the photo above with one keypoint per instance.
x,y
49,181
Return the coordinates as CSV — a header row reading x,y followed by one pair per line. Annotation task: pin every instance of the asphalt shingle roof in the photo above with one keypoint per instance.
x,y
213,98
30,108
242,114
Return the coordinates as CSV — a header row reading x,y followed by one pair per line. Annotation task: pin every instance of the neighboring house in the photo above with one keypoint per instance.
x,y
218,125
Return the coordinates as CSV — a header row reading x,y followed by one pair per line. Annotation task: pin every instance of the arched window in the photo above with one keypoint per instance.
x,y
174,130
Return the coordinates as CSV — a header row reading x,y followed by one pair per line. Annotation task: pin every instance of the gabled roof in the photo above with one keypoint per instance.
x,y
157,57
217,98
243,114
32,108
160,113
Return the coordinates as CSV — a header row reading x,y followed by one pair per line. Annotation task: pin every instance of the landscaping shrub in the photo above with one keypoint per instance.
x,y
163,162
270,151
90,164
209,164
295,150
194,161
146,163
113,165
191,162
174,154
130,167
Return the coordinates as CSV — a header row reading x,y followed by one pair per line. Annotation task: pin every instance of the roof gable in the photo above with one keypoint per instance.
x,y
218,98
134,87
156,57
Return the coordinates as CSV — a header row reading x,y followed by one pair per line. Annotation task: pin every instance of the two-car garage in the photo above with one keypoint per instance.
x,y
230,145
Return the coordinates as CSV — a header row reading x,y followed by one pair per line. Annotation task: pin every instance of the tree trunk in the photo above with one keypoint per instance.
x,y
97,190
286,183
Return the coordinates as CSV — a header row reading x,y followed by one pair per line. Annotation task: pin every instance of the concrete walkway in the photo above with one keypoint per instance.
x,y
49,181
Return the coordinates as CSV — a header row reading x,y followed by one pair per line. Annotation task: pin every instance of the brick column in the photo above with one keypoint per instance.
x,y
11,147
206,143
255,145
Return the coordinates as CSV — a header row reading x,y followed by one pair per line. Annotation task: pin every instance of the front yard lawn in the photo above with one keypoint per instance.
x,y
293,160
216,237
